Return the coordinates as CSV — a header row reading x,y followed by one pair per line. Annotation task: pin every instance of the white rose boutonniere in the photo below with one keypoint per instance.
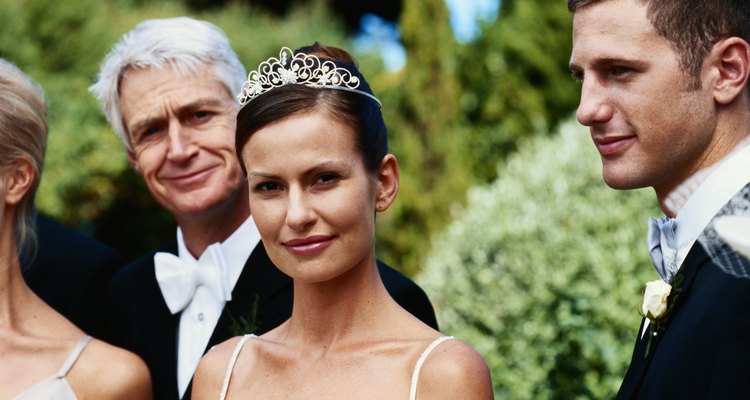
x,y
655,299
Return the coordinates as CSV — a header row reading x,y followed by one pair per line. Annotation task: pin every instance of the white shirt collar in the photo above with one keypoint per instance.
x,y
721,182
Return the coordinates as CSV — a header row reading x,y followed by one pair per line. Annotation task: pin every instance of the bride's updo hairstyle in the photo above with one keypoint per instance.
x,y
273,96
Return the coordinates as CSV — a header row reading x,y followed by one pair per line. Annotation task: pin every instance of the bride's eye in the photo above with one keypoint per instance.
x,y
265,187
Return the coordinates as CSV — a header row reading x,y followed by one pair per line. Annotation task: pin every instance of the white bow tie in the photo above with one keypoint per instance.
x,y
178,280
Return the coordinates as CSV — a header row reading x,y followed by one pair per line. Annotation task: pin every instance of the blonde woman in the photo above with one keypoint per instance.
x,y
43,355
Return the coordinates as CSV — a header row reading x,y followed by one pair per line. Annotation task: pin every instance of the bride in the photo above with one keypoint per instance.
x,y
312,142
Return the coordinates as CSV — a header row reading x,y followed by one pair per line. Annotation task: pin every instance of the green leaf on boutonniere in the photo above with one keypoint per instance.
x,y
244,324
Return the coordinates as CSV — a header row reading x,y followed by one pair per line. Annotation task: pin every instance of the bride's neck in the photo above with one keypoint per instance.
x,y
330,311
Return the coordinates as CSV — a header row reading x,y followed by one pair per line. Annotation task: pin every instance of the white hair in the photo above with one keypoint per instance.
x,y
182,43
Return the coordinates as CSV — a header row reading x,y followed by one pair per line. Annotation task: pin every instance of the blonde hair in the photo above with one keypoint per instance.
x,y
23,134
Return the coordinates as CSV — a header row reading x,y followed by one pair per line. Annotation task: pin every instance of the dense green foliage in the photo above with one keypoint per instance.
x,y
463,108
425,136
52,42
515,80
543,272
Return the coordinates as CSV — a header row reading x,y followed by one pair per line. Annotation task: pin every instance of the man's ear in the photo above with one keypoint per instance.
x,y
19,181
133,161
387,183
730,58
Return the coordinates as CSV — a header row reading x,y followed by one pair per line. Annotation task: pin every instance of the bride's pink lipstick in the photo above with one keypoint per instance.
x,y
309,245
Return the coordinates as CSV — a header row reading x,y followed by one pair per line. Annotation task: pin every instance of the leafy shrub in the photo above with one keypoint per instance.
x,y
543,270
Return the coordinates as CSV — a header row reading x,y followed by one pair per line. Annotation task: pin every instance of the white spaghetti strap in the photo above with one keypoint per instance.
x,y
230,366
420,361
73,357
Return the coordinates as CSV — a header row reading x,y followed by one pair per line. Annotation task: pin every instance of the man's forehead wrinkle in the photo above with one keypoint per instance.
x,y
173,106
150,115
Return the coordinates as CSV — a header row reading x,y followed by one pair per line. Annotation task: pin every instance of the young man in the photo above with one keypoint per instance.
x,y
168,89
664,92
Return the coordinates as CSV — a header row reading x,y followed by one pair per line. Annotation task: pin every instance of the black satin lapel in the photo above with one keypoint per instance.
x,y
154,331
262,298
164,321
638,365
165,351
694,261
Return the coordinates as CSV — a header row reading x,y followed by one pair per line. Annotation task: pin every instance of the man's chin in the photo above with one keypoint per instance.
x,y
623,183
200,206
188,206
201,201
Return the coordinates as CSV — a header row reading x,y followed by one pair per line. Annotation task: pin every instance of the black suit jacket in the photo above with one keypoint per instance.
x,y
704,350
70,272
140,321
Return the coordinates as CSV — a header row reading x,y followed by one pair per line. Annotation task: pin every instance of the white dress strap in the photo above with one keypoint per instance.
x,y
420,361
73,356
230,366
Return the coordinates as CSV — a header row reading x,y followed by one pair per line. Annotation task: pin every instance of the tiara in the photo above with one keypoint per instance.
x,y
300,69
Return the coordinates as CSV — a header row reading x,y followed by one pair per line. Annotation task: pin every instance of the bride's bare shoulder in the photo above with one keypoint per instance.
x,y
454,370
212,368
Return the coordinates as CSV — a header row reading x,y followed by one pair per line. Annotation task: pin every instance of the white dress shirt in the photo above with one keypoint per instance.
x,y
199,318
719,185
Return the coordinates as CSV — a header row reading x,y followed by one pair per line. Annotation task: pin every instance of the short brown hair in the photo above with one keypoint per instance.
x,y
692,26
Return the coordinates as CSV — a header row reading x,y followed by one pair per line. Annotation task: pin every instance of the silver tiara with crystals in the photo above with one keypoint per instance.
x,y
300,69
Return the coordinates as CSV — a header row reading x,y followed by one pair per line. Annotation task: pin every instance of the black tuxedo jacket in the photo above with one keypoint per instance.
x,y
70,272
139,320
704,350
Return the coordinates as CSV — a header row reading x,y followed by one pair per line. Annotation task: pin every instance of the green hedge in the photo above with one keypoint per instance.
x,y
543,271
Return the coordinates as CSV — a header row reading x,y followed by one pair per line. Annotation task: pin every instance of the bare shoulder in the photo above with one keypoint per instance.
x,y
126,375
209,376
454,370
